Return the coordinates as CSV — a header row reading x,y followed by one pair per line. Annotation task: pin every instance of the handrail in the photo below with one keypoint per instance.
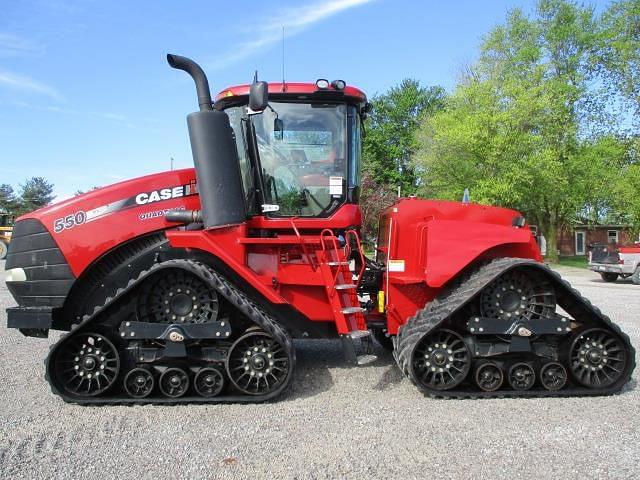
x,y
335,249
363,262
304,246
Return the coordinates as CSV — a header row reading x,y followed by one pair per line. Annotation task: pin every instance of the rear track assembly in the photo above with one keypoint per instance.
x,y
504,330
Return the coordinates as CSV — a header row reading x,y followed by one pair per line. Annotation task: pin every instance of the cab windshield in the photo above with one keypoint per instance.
x,y
303,150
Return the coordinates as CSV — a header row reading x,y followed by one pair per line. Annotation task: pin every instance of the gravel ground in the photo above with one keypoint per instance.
x,y
337,422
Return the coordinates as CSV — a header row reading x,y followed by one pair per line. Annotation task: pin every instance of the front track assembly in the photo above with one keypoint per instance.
x,y
496,333
160,340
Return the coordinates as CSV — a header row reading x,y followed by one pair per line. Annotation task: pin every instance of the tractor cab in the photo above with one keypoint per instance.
x,y
299,146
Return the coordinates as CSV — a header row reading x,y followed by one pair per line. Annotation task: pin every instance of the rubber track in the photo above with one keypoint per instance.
x,y
220,285
458,294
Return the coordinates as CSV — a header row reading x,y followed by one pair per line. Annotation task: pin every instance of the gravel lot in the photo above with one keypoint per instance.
x,y
337,422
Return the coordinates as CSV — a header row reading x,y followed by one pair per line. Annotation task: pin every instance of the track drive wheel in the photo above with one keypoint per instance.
x,y
87,364
440,360
257,364
177,297
518,296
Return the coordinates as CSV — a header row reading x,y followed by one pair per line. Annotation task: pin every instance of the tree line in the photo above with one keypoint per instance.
x,y
34,193
546,121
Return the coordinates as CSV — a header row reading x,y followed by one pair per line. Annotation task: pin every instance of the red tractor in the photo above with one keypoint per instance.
x,y
190,285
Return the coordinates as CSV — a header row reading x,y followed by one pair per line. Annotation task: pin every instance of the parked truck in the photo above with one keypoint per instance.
x,y
613,262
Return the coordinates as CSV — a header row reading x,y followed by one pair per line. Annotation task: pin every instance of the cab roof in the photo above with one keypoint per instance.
x,y
297,90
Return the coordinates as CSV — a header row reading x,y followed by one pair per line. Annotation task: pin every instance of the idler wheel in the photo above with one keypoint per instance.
x,y
521,376
174,382
87,364
597,358
139,383
441,360
553,376
257,364
489,377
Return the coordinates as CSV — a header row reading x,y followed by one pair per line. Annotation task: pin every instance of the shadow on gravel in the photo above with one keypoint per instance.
x,y
392,376
315,358
629,386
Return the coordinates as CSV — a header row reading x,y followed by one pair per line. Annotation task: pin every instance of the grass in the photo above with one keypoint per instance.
x,y
579,261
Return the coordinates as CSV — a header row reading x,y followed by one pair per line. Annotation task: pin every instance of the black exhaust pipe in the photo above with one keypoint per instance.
x,y
215,158
198,75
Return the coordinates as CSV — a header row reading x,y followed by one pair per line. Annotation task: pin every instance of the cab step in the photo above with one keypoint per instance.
x,y
352,310
345,286
357,346
338,264
366,359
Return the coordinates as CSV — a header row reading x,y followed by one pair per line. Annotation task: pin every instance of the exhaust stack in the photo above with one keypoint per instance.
x,y
214,156
198,75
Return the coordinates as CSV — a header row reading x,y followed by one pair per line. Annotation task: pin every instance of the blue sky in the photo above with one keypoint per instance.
x,y
87,98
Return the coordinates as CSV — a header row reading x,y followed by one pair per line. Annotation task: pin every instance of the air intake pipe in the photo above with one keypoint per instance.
x,y
215,156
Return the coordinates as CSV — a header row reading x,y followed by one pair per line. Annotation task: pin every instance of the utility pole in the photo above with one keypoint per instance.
x,y
171,162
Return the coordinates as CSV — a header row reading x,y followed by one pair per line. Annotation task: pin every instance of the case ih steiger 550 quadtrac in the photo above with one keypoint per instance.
x,y
190,285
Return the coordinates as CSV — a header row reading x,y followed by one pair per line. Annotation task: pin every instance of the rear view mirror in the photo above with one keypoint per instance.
x,y
278,129
258,96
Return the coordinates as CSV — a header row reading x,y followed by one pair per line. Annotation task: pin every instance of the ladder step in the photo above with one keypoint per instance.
x,y
359,333
345,286
337,264
366,359
352,310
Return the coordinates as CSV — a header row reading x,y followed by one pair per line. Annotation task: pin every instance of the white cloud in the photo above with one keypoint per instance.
x,y
27,84
110,116
294,21
11,45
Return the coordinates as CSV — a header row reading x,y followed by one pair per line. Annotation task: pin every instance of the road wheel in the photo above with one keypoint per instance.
x,y
609,277
635,277
3,250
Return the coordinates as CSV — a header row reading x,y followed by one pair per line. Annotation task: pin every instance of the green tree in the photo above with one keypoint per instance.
x,y
390,142
373,199
511,132
8,201
618,54
35,193
625,199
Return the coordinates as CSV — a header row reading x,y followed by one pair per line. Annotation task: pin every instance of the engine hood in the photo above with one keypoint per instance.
x,y
94,222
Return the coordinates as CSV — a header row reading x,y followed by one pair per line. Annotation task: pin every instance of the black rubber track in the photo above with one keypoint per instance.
x,y
220,285
463,290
